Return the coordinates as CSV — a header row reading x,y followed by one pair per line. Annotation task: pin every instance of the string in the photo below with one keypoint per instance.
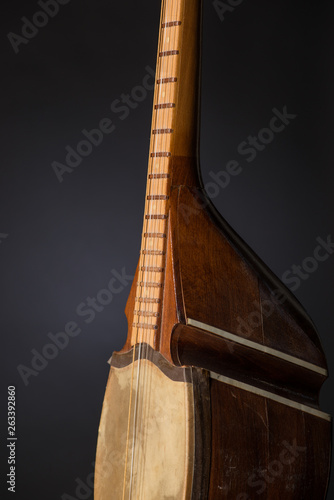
x,y
146,275
166,115
143,288
155,208
129,420
160,203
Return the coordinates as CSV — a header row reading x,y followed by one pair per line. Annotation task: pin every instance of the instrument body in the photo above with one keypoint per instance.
x,y
210,323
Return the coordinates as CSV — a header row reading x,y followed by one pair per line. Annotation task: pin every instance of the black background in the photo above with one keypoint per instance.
x,y
65,238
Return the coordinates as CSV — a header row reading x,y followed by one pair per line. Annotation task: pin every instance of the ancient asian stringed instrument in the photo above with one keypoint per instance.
x,y
197,407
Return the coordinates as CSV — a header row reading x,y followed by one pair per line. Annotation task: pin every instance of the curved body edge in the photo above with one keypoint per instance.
x,y
223,283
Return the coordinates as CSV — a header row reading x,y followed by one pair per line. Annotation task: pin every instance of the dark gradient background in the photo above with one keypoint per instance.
x,y
64,239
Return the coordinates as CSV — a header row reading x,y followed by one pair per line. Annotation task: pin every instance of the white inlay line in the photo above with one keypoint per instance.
x,y
258,347
270,395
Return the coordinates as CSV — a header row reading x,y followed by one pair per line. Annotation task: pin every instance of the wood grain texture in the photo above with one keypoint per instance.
x,y
191,346
175,118
277,453
233,285
252,438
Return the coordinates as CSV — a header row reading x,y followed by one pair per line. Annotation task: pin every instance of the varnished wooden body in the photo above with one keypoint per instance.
x,y
213,277
262,449
224,311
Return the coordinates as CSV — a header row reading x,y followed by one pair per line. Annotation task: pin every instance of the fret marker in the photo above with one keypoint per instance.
x,y
171,24
148,301
151,284
153,252
160,216
146,326
161,154
159,176
169,53
165,105
151,269
154,235
158,197
162,131
167,80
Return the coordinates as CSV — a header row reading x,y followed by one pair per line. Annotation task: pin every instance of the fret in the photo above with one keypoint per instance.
x,y
154,235
165,105
145,326
150,284
171,24
153,252
156,216
170,79
166,53
159,176
158,197
161,154
162,131
151,269
148,314
146,300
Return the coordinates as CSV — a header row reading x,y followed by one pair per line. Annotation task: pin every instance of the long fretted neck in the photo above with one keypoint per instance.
x,y
174,135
